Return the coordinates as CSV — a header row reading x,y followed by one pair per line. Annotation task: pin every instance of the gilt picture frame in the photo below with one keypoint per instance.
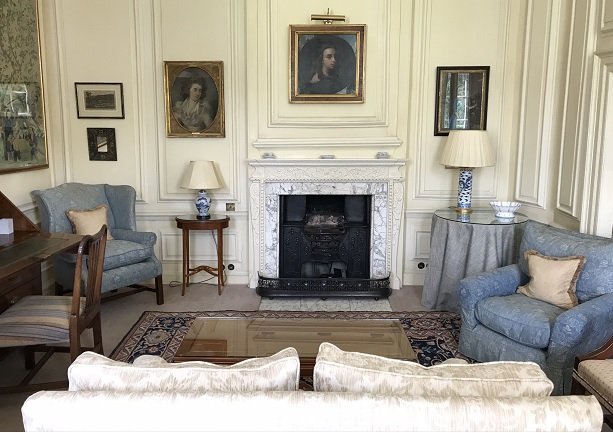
x,y
194,94
327,63
461,98
99,100
102,144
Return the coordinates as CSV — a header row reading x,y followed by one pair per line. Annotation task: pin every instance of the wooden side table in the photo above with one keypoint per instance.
x,y
192,222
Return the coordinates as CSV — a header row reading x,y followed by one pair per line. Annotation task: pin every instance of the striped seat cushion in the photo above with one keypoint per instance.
x,y
36,320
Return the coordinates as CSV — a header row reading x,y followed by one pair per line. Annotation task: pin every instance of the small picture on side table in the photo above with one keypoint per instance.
x,y
101,144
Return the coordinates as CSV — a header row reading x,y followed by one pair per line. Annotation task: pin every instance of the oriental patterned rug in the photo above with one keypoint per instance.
x,y
433,334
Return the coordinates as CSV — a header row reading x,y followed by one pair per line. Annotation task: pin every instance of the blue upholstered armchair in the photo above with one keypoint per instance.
x,y
500,324
129,259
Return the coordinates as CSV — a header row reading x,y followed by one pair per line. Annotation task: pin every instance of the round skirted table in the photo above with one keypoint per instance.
x,y
193,222
463,245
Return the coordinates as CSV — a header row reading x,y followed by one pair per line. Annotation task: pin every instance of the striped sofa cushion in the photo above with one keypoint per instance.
x,y
36,320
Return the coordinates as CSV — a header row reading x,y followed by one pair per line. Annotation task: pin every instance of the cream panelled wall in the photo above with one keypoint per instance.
x,y
546,113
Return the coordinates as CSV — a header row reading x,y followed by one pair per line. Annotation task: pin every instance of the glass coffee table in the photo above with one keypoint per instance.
x,y
226,341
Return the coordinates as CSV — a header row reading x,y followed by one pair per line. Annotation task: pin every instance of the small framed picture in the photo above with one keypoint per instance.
x,y
327,63
461,98
101,144
194,99
99,100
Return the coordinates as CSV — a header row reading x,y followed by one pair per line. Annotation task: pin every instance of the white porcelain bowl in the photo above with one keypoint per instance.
x,y
505,209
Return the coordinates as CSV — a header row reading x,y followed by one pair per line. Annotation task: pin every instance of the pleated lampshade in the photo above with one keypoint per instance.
x,y
467,148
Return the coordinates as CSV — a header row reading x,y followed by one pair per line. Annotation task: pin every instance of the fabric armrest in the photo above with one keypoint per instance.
x,y
144,238
581,329
498,282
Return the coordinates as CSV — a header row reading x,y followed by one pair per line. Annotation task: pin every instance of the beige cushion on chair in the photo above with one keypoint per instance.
x,y
88,221
553,279
597,377
36,320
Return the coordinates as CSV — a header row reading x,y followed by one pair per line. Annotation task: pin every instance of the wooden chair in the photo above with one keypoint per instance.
x,y
593,373
55,323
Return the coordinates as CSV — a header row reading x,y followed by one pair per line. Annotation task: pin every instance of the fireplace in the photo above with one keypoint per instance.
x,y
324,236
304,224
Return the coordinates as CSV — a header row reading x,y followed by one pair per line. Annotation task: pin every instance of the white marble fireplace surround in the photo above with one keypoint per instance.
x,y
381,178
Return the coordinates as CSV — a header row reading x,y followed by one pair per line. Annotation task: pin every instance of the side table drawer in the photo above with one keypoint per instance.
x,y
14,287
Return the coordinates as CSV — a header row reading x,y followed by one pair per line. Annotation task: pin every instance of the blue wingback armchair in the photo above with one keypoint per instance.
x,y
500,324
129,259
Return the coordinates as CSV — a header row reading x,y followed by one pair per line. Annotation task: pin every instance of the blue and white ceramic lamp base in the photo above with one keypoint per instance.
x,y
465,187
203,205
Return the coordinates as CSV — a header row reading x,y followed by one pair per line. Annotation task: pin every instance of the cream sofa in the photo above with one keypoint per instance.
x,y
353,392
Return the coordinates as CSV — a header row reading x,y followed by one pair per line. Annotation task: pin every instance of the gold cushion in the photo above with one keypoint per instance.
x,y
553,279
88,221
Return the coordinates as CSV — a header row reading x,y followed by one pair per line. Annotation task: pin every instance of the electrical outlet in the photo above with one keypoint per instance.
x,y
230,207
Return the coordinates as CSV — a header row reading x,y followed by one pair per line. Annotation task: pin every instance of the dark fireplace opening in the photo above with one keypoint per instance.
x,y
324,236
324,248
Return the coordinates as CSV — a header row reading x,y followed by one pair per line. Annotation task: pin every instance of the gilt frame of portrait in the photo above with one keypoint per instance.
x,y
194,99
310,80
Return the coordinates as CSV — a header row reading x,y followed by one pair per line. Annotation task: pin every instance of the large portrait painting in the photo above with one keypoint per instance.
x,y
327,63
194,99
23,144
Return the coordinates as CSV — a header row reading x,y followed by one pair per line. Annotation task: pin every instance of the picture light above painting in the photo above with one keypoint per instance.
x,y
461,98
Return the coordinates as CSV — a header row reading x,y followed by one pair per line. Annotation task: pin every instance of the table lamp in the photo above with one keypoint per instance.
x,y
201,175
466,149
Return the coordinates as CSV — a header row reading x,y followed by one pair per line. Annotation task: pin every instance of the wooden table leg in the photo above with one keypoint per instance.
x,y
185,270
220,268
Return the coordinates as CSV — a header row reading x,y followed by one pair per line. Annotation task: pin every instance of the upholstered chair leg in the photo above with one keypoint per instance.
x,y
159,290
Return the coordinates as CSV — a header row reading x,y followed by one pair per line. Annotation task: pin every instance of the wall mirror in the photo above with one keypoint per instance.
x,y
461,98
23,143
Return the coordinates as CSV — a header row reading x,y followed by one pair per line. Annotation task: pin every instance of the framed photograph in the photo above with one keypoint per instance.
x,y
194,99
461,98
327,63
101,144
99,100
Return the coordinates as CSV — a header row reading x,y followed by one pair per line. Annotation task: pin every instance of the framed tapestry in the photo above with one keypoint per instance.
x,y
194,99
23,138
327,63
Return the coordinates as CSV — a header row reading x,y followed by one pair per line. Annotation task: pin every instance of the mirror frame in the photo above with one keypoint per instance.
x,y
23,134
447,89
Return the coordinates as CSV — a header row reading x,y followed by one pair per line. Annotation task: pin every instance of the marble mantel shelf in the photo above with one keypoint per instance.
x,y
381,178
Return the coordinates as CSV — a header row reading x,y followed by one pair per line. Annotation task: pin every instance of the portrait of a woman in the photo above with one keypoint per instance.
x,y
192,106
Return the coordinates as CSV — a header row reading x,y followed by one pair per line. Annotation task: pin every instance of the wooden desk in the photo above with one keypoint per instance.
x,y
22,252
192,222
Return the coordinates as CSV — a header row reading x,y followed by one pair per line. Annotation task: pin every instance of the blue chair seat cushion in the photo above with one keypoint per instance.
x,y
119,253
522,319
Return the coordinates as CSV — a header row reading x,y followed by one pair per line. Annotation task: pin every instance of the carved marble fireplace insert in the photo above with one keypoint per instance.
x,y
381,179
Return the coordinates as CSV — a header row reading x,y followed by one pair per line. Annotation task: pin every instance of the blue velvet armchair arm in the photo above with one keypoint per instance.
x,y
498,282
144,238
581,330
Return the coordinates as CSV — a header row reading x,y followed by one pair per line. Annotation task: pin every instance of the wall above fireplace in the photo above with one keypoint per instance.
x,y
381,178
